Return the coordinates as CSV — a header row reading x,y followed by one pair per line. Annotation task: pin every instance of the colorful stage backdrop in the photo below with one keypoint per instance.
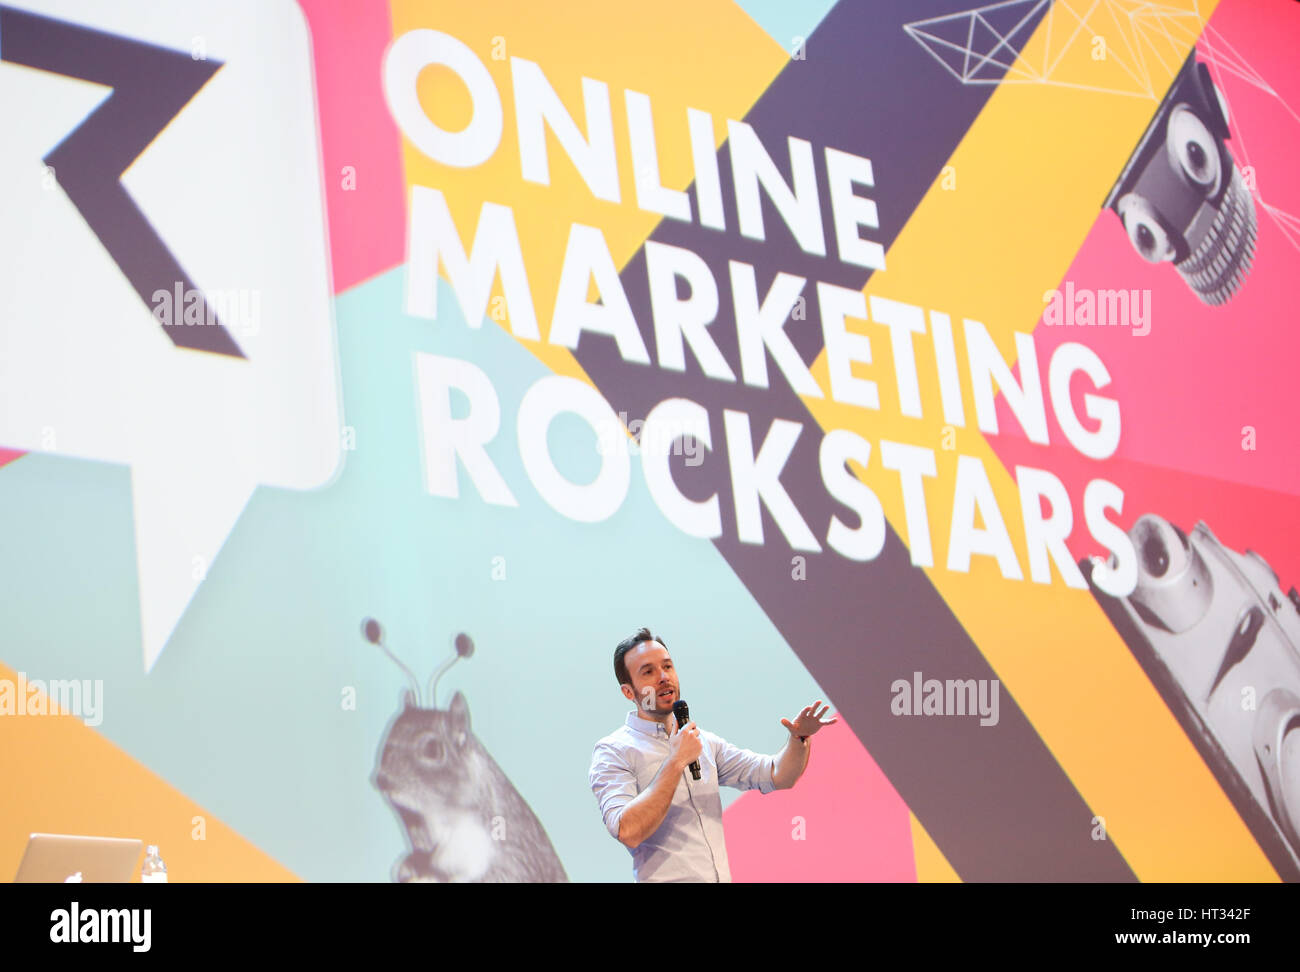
x,y
369,370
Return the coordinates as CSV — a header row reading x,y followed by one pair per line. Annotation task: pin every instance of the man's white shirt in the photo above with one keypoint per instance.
x,y
689,844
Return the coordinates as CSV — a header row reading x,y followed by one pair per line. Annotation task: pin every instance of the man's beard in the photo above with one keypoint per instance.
x,y
662,707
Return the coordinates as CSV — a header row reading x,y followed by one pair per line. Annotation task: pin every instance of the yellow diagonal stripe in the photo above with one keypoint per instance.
x,y
74,781
1030,175
931,866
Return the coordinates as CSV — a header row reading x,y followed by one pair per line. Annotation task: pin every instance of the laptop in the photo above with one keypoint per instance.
x,y
56,858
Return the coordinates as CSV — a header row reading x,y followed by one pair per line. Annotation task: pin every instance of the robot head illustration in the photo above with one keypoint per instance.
x,y
1181,198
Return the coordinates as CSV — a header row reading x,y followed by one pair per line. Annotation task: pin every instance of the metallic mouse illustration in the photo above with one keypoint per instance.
x,y
463,818
1221,643
1181,197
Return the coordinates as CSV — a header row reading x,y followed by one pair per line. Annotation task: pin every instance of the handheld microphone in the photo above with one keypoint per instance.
x,y
683,715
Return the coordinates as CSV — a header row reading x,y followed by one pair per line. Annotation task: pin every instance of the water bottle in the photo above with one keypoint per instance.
x,y
153,871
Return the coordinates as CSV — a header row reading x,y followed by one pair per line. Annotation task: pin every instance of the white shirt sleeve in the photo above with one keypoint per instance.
x,y
743,769
613,783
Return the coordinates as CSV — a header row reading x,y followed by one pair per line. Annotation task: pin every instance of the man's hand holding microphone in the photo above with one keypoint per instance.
x,y
684,744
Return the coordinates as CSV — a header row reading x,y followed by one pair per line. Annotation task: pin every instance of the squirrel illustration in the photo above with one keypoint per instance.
x,y
464,819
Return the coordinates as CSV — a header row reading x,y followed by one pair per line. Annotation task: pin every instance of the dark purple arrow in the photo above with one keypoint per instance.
x,y
151,86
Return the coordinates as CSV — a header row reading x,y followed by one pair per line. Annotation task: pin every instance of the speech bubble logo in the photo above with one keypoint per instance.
x,y
165,300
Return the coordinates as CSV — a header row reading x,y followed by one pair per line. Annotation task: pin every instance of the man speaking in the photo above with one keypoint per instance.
x,y
657,783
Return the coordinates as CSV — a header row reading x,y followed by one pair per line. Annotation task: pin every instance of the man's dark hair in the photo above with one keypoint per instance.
x,y
627,644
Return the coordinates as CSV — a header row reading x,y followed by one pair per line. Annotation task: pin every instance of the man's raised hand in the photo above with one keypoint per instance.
x,y
809,720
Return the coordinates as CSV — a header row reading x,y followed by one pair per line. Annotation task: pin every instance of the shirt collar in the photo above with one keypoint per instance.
x,y
649,727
